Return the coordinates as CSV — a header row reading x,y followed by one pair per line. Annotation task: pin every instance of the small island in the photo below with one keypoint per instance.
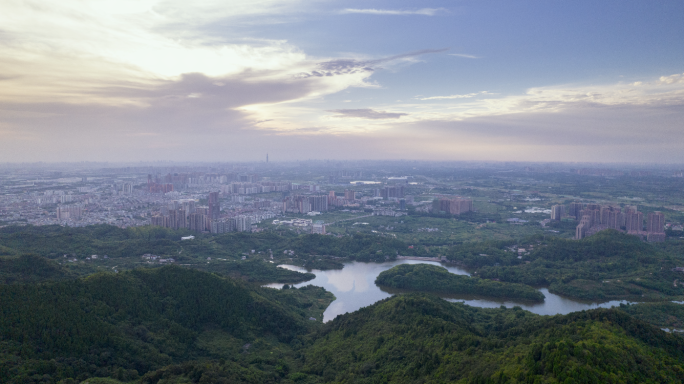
x,y
432,278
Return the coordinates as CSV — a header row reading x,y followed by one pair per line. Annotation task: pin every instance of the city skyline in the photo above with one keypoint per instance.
x,y
437,81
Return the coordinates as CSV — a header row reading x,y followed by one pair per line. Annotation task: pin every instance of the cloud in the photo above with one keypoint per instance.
x,y
464,55
366,114
466,96
672,79
151,79
372,11
351,66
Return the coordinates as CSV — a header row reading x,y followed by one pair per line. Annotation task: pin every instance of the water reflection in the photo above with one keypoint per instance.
x,y
354,287
552,305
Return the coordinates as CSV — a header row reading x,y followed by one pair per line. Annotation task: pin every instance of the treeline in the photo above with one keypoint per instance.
x,y
432,278
360,247
255,271
484,253
56,241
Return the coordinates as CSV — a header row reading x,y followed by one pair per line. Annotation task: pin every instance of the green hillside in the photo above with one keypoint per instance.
x,y
178,325
30,268
432,278
141,320
423,339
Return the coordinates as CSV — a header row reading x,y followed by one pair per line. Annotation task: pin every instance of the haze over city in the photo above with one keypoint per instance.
x,y
436,80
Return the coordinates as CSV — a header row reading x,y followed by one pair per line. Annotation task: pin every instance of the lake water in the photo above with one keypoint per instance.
x,y
354,287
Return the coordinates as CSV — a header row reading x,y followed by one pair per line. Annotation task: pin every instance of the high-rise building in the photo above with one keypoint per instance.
x,y
349,195
634,222
575,210
189,206
655,222
243,223
615,218
197,222
177,219
455,206
214,206
557,212
584,225
319,203
392,192
127,189
67,212
303,204
222,226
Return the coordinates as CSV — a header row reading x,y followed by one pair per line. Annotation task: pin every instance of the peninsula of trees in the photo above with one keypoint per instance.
x,y
435,279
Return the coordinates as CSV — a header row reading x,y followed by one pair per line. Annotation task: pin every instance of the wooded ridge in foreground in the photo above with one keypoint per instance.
x,y
176,325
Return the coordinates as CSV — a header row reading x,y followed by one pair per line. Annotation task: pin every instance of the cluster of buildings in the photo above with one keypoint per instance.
x,y
186,214
305,204
388,212
593,218
454,206
67,212
251,188
305,225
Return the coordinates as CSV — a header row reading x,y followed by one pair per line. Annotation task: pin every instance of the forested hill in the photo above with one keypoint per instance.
x,y
418,338
136,321
30,268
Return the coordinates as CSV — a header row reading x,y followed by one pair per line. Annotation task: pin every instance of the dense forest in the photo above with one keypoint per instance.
x,y
432,278
141,320
416,338
607,265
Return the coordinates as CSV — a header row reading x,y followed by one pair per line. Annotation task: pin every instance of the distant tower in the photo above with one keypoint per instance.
x,y
267,158
214,205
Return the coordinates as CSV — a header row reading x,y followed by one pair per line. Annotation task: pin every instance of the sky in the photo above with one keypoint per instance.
x,y
145,80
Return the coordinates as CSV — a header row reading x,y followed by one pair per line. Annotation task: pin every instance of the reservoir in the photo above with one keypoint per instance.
x,y
354,287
